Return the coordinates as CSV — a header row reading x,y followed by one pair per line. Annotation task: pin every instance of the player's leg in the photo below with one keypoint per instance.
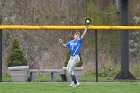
x,y
77,59
68,70
68,65
72,83
71,69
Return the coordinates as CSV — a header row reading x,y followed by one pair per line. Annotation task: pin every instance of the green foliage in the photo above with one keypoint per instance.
x,y
6,78
90,72
108,70
79,64
111,69
15,55
135,69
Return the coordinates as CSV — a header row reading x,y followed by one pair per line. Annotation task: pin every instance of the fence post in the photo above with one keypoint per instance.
x,y
0,50
96,54
0,55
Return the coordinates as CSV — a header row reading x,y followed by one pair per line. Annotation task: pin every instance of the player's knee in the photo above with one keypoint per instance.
x,y
70,72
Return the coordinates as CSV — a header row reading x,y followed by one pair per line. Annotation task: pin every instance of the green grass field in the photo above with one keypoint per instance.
x,y
106,87
82,79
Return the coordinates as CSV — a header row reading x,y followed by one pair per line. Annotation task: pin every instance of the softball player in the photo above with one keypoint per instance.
x,y
74,47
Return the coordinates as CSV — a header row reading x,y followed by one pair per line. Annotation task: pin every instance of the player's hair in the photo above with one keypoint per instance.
x,y
77,33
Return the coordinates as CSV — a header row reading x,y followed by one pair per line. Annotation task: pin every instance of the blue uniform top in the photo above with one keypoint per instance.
x,y
74,46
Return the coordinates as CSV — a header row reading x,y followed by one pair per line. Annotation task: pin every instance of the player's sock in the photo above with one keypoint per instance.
x,y
74,79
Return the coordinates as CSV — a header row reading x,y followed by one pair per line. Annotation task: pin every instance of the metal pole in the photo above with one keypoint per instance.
x,y
96,54
124,55
0,55
124,40
0,50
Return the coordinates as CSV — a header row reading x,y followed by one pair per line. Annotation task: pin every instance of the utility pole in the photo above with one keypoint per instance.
x,y
124,73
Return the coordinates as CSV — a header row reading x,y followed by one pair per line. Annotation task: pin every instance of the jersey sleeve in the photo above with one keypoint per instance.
x,y
80,39
68,45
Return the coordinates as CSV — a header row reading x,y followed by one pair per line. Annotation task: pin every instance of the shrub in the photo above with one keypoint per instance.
x,y
15,56
79,64
108,70
90,72
135,69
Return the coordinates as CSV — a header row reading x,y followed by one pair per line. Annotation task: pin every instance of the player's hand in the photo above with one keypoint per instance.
x,y
60,41
87,26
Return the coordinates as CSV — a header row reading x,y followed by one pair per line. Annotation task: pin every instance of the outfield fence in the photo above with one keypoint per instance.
x,y
46,59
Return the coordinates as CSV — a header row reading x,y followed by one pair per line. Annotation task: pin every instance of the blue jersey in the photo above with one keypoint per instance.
x,y
74,46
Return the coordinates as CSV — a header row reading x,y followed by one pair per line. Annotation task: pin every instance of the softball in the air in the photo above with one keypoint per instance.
x,y
87,21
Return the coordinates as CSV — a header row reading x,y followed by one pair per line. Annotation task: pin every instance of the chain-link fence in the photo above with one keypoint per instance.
x,y
109,55
46,58
134,52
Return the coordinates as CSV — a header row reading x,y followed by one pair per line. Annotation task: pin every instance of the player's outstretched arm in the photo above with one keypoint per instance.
x,y
62,42
85,31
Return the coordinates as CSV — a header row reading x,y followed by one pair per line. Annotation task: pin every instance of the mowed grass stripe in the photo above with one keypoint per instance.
x,y
129,87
